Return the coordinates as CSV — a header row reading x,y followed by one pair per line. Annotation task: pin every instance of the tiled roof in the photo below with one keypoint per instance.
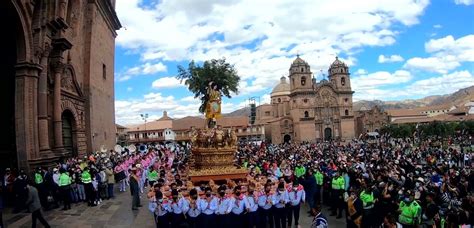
x,y
187,122
404,112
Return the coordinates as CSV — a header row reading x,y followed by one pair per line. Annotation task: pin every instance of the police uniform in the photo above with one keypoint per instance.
x,y
65,187
87,180
337,186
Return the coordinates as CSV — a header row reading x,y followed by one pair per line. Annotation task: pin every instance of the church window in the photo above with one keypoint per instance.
x,y
305,100
346,100
343,81
279,100
346,112
306,114
302,69
104,71
303,81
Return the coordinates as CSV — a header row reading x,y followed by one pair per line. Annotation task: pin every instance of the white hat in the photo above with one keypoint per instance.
x,y
55,169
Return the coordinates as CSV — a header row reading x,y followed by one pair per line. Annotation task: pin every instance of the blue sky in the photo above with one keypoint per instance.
x,y
396,50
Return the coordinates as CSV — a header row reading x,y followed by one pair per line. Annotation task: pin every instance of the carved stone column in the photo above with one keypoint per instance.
x,y
26,111
43,104
58,124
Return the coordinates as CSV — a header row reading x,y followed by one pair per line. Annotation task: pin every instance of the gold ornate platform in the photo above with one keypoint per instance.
x,y
213,156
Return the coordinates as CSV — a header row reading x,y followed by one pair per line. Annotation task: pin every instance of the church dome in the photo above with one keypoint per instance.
x,y
299,61
283,88
338,63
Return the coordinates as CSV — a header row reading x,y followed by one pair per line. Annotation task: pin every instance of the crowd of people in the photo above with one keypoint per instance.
x,y
384,183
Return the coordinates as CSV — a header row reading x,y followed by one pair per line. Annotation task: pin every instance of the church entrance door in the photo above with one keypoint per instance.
x,y
327,134
286,139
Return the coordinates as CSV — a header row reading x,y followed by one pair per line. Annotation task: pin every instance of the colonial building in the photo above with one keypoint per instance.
x,y
179,130
306,110
57,84
371,120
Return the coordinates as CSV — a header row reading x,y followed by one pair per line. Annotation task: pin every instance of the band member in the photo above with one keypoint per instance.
x,y
279,200
179,207
265,204
297,196
208,207
238,205
161,209
193,212
252,208
224,207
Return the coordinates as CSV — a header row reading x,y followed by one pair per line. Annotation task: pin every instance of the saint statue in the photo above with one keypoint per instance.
x,y
213,104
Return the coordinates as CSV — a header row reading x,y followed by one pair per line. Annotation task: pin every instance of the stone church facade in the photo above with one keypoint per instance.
x,y
303,109
57,84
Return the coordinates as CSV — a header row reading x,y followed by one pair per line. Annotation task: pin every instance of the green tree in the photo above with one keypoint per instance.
x,y
197,78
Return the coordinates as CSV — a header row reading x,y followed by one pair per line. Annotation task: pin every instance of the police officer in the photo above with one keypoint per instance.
x,y
265,204
193,212
39,182
368,203
337,186
224,207
410,211
279,201
65,187
296,196
238,206
208,207
87,181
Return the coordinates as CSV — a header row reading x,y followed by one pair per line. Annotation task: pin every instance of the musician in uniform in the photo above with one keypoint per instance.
x,y
208,207
279,200
252,208
179,207
193,212
224,207
238,206
296,196
265,204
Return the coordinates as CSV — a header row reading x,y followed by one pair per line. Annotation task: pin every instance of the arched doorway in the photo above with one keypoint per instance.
x,y
11,26
69,133
286,138
327,134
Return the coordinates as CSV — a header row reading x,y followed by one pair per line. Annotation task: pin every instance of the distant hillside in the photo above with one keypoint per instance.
x,y
460,97
239,112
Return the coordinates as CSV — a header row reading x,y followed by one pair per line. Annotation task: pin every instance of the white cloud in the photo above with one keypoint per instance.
x,y
129,89
437,26
144,69
380,79
465,2
166,82
446,54
390,59
189,99
360,72
182,30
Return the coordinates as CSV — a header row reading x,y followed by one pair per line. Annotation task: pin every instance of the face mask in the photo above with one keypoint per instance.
x,y
251,193
221,194
208,194
160,200
237,193
267,190
294,189
400,192
194,197
281,191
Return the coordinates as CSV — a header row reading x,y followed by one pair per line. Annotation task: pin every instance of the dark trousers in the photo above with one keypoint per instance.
x,y
208,220
368,218
223,220
89,194
38,215
310,198
163,221
293,211
42,194
237,220
338,202
66,196
1,218
317,194
266,217
110,189
177,220
280,217
135,200
194,222
253,219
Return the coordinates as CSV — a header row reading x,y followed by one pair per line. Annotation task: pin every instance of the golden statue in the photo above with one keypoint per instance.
x,y
213,104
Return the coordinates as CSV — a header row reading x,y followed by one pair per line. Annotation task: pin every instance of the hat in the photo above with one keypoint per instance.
x,y
55,169
420,179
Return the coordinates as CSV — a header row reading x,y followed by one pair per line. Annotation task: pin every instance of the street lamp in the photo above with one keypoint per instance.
x,y
144,118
